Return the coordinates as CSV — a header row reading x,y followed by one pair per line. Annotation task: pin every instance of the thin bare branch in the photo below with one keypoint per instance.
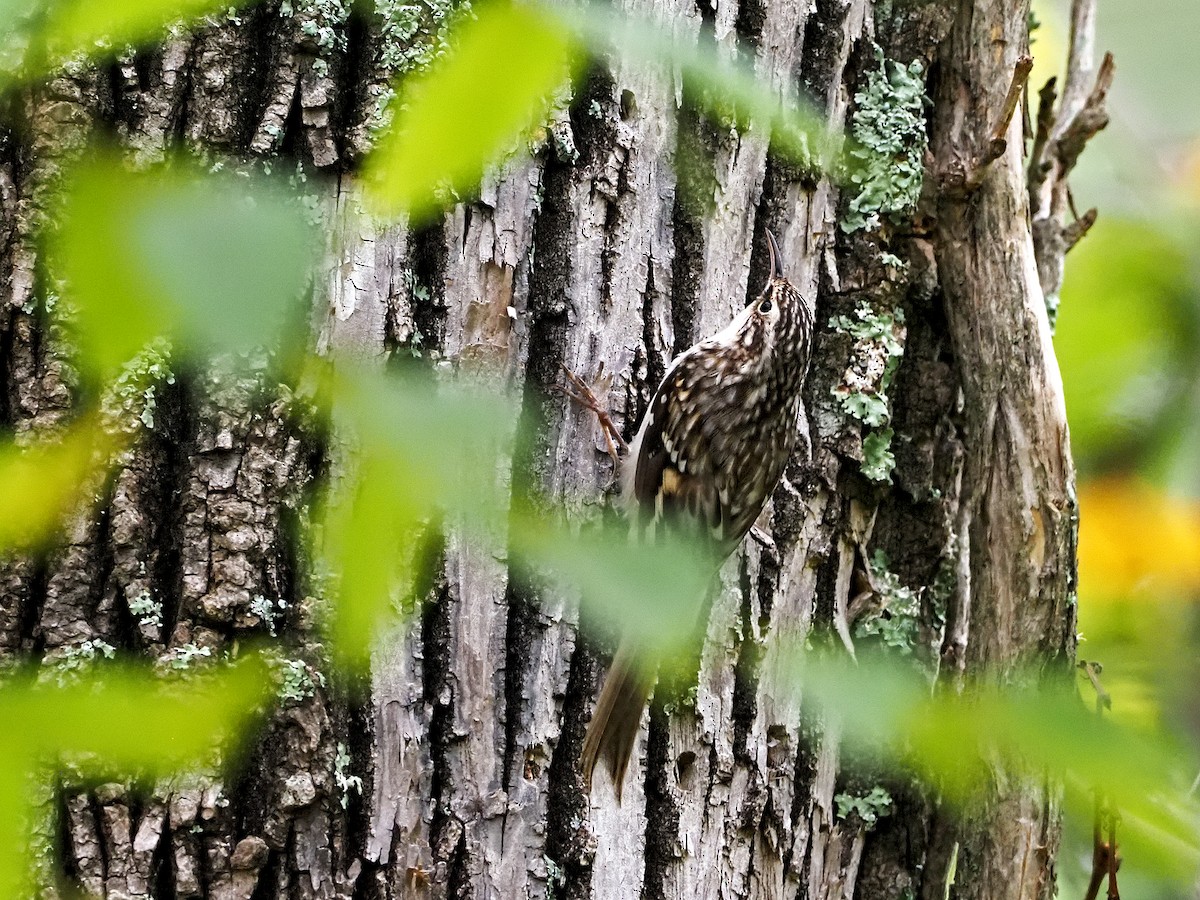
x,y
1077,230
1061,135
1092,118
1081,62
969,181
1039,166
1021,70
1105,861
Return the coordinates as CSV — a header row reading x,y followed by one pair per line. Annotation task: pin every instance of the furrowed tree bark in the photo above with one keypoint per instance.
x,y
597,249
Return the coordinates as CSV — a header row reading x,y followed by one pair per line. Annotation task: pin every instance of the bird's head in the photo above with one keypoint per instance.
x,y
778,322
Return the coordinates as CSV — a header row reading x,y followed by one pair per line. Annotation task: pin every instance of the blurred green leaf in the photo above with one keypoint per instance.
x,y
42,482
369,534
472,105
889,710
1121,338
723,82
126,718
76,25
423,451
16,765
652,592
213,258
431,456
38,36
123,720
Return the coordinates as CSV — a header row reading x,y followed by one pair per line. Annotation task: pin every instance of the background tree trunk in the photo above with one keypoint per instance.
x,y
597,249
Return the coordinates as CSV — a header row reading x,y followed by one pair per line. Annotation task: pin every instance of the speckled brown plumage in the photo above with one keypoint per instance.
x,y
713,445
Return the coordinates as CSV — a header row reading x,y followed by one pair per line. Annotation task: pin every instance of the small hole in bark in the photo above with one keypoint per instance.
x,y
778,747
685,769
628,105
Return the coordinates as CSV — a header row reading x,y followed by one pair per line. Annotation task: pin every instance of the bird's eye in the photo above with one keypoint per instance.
x,y
765,306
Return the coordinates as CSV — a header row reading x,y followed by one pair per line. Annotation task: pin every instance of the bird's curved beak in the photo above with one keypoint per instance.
x,y
776,258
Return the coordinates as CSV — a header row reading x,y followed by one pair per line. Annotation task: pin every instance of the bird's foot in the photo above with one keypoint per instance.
x,y
585,395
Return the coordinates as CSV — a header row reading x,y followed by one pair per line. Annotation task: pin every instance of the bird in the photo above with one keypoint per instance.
x,y
713,445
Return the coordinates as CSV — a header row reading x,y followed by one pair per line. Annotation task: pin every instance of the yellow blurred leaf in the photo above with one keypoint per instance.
x,y
1136,539
40,483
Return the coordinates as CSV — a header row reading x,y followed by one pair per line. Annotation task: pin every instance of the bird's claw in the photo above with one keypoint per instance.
x,y
581,392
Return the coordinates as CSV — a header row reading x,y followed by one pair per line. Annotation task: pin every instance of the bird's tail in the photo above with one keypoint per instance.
x,y
614,726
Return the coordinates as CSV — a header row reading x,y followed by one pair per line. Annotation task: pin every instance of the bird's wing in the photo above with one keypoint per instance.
x,y
672,481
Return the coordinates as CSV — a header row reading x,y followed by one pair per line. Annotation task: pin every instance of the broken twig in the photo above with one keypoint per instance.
x,y
1105,859
960,183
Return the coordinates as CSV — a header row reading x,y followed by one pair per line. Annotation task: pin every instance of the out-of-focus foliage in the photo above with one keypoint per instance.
x,y
452,120
115,720
1128,340
1126,345
36,36
953,739
1138,540
422,454
216,261
455,119
41,482
214,257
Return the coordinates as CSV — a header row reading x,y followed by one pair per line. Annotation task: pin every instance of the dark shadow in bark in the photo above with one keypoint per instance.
x,y
168,573
695,154
662,813
595,133
447,833
568,839
748,656
268,877
162,867
262,47
32,639
7,326
356,71
751,17
804,777
291,144
821,48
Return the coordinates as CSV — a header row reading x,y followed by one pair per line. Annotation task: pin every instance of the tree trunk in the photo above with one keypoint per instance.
x,y
595,250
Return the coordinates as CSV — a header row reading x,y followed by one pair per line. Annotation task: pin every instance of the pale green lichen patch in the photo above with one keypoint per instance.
x,y
347,784
269,612
322,27
878,459
296,681
185,656
411,36
869,807
862,392
147,610
129,404
896,622
69,663
886,165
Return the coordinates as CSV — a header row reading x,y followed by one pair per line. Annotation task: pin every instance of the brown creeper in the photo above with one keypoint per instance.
x,y
711,449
